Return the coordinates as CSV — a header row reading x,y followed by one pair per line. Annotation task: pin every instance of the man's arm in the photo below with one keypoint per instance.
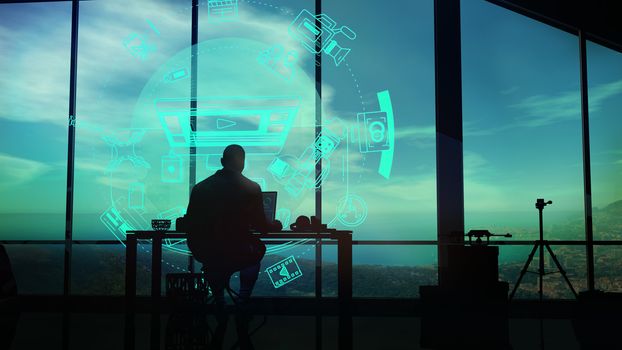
x,y
191,212
258,216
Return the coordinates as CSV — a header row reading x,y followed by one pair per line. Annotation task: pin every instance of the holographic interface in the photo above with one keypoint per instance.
x,y
259,95
284,272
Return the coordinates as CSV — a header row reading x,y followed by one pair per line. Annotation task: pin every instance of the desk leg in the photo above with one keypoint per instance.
x,y
344,293
130,290
318,293
156,290
318,268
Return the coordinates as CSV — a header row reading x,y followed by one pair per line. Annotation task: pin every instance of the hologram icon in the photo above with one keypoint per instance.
x,y
222,10
278,61
351,210
123,150
177,74
373,133
172,170
284,271
136,195
138,46
377,133
278,168
114,222
320,38
300,176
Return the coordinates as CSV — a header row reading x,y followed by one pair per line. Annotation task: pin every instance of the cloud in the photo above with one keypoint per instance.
x,y
416,132
399,194
540,110
509,91
17,171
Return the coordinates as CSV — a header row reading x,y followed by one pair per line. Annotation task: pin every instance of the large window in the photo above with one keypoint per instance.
x,y
33,149
34,85
383,190
605,97
136,157
522,133
130,56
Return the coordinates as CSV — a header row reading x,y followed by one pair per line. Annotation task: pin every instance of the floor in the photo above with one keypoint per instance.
x,y
106,331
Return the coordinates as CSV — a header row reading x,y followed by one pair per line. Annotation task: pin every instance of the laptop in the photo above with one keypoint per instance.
x,y
269,205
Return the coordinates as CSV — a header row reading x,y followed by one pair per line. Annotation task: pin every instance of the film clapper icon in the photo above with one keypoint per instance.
x,y
284,272
317,39
222,10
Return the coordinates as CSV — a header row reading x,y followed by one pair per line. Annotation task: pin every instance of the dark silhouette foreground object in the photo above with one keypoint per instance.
x,y
470,310
224,210
597,320
541,244
9,315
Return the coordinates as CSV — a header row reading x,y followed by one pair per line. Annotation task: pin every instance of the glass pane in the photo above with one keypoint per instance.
x,y
571,259
378,94
522,124
127,172
264,91
34,80
393,271
299,263
605,98
38,269
98,269
607,260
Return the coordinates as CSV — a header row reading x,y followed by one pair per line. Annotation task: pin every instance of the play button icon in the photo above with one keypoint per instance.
x,y
224,123
284,272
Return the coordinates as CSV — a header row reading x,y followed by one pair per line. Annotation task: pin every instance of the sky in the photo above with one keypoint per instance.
x,y
521,111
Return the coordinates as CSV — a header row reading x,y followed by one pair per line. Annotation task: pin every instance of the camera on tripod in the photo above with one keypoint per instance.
x,y
540,203
540,245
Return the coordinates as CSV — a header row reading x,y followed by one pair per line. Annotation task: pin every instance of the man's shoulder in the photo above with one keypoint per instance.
x,y
206,182
250,184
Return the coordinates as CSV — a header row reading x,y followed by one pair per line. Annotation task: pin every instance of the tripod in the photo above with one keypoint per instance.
x,y
541,243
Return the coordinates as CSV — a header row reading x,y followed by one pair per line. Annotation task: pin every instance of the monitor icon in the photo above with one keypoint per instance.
x,y
259,124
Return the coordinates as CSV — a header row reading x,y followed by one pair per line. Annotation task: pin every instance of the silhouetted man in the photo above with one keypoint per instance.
x,y
223,210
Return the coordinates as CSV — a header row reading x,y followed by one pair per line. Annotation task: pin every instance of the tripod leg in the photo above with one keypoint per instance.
x,y
561,269
524,270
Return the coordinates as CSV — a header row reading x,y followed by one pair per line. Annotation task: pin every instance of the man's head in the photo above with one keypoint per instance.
x,y
233,158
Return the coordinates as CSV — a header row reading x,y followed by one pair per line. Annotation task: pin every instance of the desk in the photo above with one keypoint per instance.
x,y
344,270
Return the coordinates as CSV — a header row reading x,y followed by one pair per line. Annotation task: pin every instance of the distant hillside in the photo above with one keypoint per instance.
x,y
99,270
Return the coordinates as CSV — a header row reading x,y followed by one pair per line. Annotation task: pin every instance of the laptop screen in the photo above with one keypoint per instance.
x,y
269,205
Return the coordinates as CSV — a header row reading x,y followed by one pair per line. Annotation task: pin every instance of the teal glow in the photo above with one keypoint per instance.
x,y
386,158
259,124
